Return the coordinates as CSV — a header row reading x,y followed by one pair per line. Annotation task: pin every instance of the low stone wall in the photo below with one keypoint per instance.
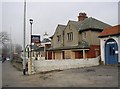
x,y
49,65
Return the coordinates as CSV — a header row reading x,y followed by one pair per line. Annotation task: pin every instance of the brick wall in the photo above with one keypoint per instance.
x,y
92,52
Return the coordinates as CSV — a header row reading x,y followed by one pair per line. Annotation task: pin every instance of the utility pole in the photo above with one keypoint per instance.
x,y
10,45
24,38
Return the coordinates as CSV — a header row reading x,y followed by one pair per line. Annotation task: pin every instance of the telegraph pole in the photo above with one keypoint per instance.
x,y
10,45
24,38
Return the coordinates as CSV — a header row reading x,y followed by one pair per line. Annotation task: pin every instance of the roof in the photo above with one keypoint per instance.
x,y
45,40
62,27
92,23
82,45
115,30
75,23
89,23
34,47
66,48
39,49
51,36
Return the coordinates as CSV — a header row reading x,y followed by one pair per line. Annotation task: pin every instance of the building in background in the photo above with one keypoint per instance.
x,y
40,51
77,40
38,48
110,45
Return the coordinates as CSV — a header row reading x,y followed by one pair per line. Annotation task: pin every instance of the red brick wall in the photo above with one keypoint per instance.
x,y
92,52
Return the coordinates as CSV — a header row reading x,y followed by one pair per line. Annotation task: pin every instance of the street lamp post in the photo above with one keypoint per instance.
x,y
31,23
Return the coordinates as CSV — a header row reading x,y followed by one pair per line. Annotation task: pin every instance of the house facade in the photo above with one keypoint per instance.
x,y
77,39
44,45
110,45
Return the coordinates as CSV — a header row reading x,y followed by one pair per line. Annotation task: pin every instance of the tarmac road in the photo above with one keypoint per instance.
x,y
99,76
11,76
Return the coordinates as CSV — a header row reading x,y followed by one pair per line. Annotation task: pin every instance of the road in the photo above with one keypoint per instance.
x,y
11,77
100,76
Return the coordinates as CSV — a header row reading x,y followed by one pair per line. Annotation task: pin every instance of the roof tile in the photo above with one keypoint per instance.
x,y
110,31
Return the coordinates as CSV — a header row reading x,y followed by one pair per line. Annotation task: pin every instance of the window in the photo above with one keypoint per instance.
x,y
70,36
59,38
84,35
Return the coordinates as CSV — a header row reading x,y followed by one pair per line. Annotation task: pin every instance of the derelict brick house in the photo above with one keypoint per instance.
x,y
78,39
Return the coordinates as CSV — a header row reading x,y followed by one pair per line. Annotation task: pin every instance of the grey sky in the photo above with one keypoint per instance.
x,y
47,15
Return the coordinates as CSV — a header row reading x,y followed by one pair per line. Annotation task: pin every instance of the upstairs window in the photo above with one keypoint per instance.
x,y
59,38
70,36
84,35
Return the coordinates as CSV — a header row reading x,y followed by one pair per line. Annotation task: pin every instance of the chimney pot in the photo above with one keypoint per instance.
x,y
82,16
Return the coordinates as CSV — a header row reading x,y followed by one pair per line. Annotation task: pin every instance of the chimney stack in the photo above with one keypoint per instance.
x,y
82,16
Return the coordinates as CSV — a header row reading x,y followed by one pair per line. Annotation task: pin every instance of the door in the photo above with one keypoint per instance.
x,y
111,52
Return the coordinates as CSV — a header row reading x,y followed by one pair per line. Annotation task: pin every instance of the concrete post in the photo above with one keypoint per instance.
x,y
83,54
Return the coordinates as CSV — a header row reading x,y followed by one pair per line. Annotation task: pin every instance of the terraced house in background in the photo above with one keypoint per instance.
x,y
77,40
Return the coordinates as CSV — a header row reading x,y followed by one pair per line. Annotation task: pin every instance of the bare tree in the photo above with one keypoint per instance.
x,y
4,38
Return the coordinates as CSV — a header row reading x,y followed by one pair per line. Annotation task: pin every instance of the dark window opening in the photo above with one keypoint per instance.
x,y
59,38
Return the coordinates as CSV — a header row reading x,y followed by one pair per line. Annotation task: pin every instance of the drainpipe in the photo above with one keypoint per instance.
x,y
63,38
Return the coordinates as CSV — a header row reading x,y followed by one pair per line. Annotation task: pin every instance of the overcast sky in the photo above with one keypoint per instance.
x,y
47,15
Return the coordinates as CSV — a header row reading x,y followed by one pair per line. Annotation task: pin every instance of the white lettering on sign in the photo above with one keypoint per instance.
x,y
111,42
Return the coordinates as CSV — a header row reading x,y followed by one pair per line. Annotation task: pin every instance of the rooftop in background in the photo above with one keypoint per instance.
x,y
110,31
45,38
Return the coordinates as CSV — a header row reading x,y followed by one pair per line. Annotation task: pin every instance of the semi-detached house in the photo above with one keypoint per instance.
x,y
76,40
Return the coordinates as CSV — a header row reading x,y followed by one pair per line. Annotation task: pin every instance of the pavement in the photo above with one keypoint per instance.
x,y
98,76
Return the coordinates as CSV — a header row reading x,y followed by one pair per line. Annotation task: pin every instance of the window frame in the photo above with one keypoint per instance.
x,y
58,38
70,36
